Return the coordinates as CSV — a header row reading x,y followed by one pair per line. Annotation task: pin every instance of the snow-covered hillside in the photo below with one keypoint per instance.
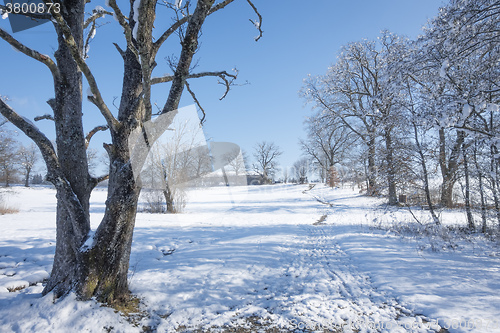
x,y
257,257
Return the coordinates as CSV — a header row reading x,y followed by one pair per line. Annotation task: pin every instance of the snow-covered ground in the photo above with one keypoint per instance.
x,y
257,257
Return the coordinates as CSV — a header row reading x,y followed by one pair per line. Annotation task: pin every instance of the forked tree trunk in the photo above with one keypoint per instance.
x,y
105,265
98,267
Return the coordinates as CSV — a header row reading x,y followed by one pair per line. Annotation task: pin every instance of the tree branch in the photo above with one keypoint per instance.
x,y
95,16
257,24
96,180
93,132
193,95
170,78
122,19
43,143
122,53
44,59
45,116
75,53
173,28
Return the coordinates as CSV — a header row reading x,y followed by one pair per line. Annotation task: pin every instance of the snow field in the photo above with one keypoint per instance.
x,y
254,253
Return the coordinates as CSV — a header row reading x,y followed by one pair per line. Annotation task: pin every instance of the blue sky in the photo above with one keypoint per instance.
x,y
300,38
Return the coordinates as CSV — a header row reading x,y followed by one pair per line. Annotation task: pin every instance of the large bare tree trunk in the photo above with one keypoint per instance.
x,y
72,220
105,265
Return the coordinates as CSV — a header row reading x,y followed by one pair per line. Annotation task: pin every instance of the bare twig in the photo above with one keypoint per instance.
x,y
45,116
173,28
45,145
257,24
193,95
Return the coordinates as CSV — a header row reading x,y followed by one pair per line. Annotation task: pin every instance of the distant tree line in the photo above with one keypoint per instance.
x,y
416,117
17,162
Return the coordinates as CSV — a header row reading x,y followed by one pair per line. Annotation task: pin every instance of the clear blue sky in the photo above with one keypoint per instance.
x,y
300,38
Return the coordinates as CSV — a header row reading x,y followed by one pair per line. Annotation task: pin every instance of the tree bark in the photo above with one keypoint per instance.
x,y
494,181
391,177
27,178
425,176
105,264
72,157
470,218
449,166
372,168
480,179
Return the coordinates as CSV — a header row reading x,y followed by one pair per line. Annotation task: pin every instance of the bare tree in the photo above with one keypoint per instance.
x,y
8,155
328,141
173,162
96,264
361,90
266,154
286,175
28,157
235,160
301,168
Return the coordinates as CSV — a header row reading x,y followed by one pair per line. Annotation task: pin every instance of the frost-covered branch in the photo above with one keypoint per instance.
x,y
97,13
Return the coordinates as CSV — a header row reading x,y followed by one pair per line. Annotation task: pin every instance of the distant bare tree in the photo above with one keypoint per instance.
x,y
286,175
301,170
328,142
266,154
235,160
173,163
92,159
27,158
8,154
